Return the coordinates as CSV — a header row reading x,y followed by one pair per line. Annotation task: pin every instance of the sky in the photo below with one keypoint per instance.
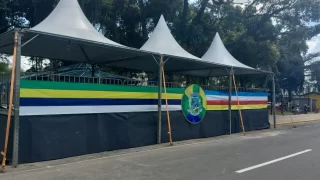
x,y
314,44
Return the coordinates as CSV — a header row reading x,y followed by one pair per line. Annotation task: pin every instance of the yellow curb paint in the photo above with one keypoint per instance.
x,y
296,122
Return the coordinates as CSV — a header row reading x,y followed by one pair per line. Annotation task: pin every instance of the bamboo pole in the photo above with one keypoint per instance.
x,y
240,113
167,108
4,152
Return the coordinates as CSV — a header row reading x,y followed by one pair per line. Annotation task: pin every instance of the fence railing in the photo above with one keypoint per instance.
x,y
5,83
127,82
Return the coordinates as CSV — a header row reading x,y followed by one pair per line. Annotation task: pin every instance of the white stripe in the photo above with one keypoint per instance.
x,y
273,161
243,98
54,110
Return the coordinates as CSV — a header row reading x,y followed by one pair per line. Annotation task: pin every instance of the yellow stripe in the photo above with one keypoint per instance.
x,y
235,107
188,91
49,93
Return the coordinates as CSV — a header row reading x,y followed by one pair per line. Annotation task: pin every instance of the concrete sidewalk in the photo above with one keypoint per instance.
x,y
301,118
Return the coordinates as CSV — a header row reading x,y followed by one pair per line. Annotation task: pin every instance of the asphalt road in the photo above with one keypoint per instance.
x,y
285,153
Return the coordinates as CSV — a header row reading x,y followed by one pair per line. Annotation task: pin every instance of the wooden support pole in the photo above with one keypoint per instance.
x,y
239,108
4,152
167,108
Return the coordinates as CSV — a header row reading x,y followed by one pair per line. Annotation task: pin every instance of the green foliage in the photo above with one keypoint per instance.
x,y
4,64
313,69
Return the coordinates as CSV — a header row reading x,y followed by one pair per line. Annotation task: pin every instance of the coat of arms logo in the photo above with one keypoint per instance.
x,y
194,104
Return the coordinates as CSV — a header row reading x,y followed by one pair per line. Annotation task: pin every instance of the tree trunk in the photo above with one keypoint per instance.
x,y
203,7
197,19
143,20
184,21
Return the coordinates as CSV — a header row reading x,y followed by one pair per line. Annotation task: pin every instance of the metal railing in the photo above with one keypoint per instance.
x,y
127,82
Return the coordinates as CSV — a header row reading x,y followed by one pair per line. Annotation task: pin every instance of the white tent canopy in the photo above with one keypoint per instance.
x,y
162,42
66,34
67,19
217,53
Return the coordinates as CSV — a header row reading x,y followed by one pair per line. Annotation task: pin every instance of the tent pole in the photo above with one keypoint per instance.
x,y
159,98
167,108
4,152
16,125
274,102
230,98
240,113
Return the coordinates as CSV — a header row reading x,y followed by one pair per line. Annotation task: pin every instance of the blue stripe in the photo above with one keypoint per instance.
x,y
219,93
90,102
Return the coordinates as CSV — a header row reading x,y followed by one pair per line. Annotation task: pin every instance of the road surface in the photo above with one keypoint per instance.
x,y
285,153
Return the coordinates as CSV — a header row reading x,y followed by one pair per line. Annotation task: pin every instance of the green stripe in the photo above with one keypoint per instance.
x,y
196,88
185,104
91,87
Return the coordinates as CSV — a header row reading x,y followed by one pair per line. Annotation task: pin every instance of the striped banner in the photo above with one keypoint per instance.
x,y
46,98
217,100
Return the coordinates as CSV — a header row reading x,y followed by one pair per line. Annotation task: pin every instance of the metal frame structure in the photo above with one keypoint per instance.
x,y
88,45
16,124
160,63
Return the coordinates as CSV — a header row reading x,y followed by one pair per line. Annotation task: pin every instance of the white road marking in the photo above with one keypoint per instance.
x,y
273,161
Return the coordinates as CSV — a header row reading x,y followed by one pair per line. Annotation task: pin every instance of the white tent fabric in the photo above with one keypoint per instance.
x,y
67,19
162,42
218,53
66,34
179,60
216,62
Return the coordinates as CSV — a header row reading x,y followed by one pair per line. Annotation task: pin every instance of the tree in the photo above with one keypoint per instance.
x,y
313,69
4,64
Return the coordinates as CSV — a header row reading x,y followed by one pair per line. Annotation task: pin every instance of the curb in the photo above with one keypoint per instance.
x,y
297,122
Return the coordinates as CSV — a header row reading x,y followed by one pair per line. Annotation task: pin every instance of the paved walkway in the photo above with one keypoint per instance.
x,y
287,119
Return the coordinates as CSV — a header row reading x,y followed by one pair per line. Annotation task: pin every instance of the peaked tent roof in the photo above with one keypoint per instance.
x,y
217,53
68,19
66,34
179,60
162,41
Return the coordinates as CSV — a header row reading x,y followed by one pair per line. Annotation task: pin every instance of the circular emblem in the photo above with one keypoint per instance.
x,y
194,104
